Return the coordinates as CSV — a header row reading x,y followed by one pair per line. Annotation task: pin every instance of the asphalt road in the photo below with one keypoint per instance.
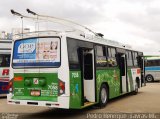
x,y
146,101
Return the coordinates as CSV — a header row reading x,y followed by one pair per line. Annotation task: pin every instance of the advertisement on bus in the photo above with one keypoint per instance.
x,y
37,52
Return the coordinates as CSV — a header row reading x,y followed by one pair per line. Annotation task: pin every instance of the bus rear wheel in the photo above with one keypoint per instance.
x,y
103,96
149,78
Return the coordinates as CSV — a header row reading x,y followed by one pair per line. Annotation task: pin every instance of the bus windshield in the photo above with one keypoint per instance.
x,y
4,60
36,52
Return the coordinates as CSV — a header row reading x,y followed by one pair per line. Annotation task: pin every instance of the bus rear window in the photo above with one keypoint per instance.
x,y
4,60
36,52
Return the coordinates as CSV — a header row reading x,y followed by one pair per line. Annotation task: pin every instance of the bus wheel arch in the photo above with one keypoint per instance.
x,y
149,78
103,94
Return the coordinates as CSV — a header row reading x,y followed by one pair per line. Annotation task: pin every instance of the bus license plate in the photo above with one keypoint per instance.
x,y
35,92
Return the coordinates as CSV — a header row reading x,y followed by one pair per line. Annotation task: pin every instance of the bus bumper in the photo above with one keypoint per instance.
x,y
63,102
3,95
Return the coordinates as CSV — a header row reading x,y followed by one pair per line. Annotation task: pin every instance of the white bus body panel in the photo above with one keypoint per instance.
x,y
135,75
63,74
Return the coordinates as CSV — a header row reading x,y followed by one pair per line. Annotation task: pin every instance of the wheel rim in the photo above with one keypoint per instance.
x,y
103,95
149,78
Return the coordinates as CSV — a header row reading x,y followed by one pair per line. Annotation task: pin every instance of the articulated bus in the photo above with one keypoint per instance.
x,y
66,70
152,68
5,52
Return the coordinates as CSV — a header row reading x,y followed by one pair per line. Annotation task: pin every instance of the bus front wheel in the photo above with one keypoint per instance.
x,y
149,78
103,96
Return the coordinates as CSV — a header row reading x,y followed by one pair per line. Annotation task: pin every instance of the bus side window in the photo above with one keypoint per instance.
x,y
100,56
146,63
1,58
4,60
135,58
8,60
73,54
129,58
149,62
112,57
158,63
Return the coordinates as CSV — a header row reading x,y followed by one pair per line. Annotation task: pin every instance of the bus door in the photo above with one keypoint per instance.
x,y
123,72
141,64
88,75
143,73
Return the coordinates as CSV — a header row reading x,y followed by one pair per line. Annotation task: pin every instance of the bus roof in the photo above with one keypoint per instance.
x,y
76,35
153,58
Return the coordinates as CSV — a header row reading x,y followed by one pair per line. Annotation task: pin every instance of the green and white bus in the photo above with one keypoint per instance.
x,y
68,69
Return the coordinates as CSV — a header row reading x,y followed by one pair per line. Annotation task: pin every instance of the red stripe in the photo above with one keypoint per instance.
x,y
4,80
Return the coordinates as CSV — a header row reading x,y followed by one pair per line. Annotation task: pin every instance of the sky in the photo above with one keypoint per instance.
x,y
133,22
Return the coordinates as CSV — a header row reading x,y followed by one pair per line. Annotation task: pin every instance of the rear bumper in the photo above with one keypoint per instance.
x,y
63,102
3,95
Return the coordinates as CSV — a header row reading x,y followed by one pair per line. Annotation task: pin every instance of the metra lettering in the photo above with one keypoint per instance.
x,y
53,87
26,48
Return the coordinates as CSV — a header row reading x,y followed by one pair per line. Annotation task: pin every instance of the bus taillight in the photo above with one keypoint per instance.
x,y
61,88
10,86
19,78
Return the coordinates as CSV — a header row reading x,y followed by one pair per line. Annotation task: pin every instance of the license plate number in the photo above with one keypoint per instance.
x,y
35,93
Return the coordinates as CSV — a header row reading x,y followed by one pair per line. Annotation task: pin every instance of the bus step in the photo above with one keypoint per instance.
x,y
86,104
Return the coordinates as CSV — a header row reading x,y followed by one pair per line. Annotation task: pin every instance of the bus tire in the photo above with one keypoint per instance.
x,y
103,96
135,92
149,78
